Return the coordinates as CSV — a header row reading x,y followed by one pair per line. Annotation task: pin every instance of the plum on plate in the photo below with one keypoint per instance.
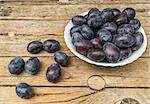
x,y
112,52
96,55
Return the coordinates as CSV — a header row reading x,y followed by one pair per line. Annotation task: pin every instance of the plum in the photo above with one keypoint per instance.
x,y
76,37
135,24
130,13
96,43
138,41
16,65
78,20
125,53
96,55
33,65
107,15
75,29
61,58
35,47
53,73
104,35
24,91
112,52
51,45
83,46
124,40
87,32
120,19
125,29
95,21
110,26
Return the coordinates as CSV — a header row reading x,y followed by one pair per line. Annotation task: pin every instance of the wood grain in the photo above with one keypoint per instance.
x,y
132,75
77,95
61,12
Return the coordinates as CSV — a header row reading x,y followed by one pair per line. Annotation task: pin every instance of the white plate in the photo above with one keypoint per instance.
x,y
132,58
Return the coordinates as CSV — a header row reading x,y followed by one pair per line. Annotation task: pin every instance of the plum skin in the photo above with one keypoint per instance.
x,y
96,55
35,47
53,73
61,58
112,52
138,41
33,65
124,40
16,65
24,91
51,45
83,46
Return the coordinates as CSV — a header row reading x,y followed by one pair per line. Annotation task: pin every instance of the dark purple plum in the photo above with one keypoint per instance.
x,y
16,65
94,21
138,41
110,26
61,58
125,53
125,29
104,35
124,40
93,10
116,11
35,47
78,20
112,52
135,24
120,19
130,13
32,65
75,29
51,45
96,55
53,73
76,37
83,46
107,15
87,32
96,43
24,91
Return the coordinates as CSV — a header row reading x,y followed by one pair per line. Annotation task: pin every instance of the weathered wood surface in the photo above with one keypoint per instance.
x,y
22,21
50,95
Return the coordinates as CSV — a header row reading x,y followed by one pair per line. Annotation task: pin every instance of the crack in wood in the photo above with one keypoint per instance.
x,y
72,99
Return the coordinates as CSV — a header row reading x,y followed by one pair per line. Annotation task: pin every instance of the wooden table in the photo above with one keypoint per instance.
x,y
22,21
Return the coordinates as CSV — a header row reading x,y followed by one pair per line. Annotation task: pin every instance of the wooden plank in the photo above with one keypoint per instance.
x,y
76,96
31,27
44,95
114,96
16,45
54,12
38,27
78,72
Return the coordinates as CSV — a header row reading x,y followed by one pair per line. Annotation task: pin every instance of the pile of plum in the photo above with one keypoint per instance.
x,y
107,35
33,65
